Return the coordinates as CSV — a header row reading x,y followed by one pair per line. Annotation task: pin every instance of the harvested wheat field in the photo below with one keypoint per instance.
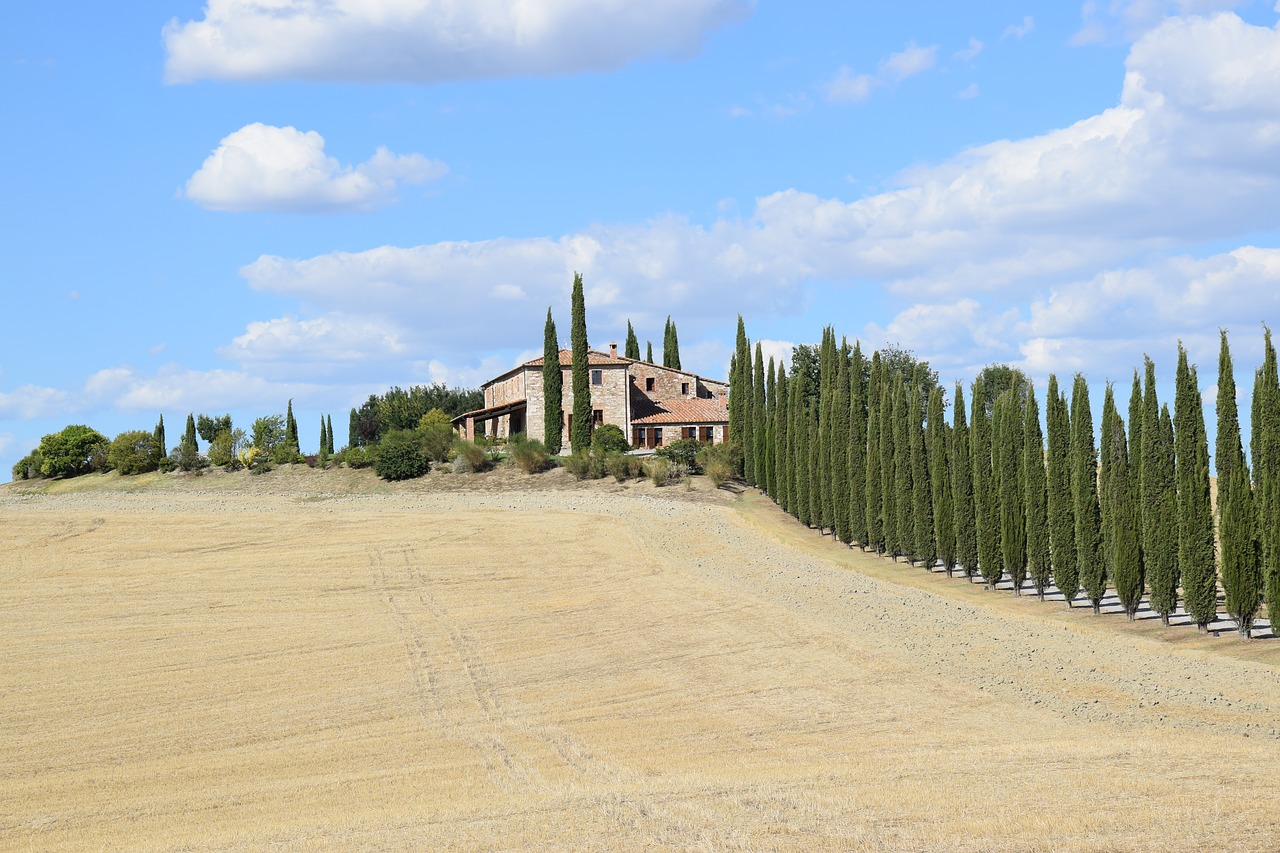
x,y
310,660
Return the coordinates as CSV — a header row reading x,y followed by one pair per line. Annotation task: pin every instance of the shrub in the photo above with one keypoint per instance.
x,y
133,452
437,438
28,467
719,461
75,450
659,469
684,451
356,457
401,455
718,471
185,457
619,466
528,454
470,457
585,465
224,449
609,438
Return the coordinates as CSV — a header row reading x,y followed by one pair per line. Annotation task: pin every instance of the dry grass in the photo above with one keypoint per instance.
x,y
403,671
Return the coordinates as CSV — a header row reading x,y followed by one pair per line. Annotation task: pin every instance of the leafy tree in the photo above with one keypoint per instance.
x,y
1237,516
841,445
224,450
1110,417
1158,487
1060,500
553,387
985,497
857,449
1196,560
999,378
1084,482
1125,559
580,428
873,469
401,408
962,489
632,349
926,550
898,359
208,427
133,452
436,430
759,417
401,456
1035,490
1013,518
268,435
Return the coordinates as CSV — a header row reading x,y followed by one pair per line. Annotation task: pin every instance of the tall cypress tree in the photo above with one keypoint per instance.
x,y
759,414
964,510
1035,489
857,451
1135,432
675,347
1196,561
841,447
1237,518
1084,484
553,387
1158,490
329,422
1061,507
986,506
944,531
748,419
888,481
1110,417
737,388
926,547
290,429
902,482
800,447
826,363
873,469
1266,471
648,351
666,343
159,437
1125,565
815,493
632,348
324,438
771,409
580,427
1013,513
353,434
782,458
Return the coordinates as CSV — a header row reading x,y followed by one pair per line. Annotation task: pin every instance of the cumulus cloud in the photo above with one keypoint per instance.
x,y
851,87
316,342
1129,19
33,401
264,168
429,41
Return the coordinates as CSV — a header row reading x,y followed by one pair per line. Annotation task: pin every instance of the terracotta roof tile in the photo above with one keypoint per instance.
x,y
696,410
594,357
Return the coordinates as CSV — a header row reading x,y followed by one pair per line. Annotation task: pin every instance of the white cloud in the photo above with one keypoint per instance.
x,y
850,87
970,91
316,342
33,401
779,351
910,61
188,390
975,47
264,168
1018,31
1128,20
429,41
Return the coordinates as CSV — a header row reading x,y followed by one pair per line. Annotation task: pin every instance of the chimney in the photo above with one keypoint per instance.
x,y
613,349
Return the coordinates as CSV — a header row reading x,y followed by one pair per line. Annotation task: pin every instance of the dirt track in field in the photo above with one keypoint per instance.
x,y
310,660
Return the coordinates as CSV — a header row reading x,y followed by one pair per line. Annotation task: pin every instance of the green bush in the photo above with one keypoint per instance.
x,y
619,466
76,450
663,471
356,457
528,454
134,452
401,455
470,457
224,449
585,465
185,457
720,461
685,452
438,438
28,467
609,438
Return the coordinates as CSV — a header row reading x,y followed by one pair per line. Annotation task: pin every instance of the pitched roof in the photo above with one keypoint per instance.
x,y
594,357
695,410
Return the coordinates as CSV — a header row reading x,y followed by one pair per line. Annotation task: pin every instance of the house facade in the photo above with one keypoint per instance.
x,y
651,404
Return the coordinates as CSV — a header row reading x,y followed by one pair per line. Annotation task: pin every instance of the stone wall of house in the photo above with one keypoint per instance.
x,y
610,397
711,388
507,390
667,384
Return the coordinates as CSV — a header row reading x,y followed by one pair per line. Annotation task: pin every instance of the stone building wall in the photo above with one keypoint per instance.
x,y
667,384
506,390
610,397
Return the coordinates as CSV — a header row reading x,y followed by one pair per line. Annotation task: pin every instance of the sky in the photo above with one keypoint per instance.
x,y
221,207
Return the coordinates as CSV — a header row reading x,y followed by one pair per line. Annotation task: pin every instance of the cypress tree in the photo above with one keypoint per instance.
x,y
782,459
737,393
841,449
1158,489
1035,489
666,343
1084,483
944,532
759,414
986,508
1266,471
902,482
873,469
962,490
1135,432
1013,516
857,450
553,387
632,348
290,429
353,434
1237,518
1060,503
324,439
580,377
159,437
189,436
1110,417
329,423
675,347
800,447
648,351
748,419
771,409
826,382
1195,511
888,481
815,493
1125,534
926,548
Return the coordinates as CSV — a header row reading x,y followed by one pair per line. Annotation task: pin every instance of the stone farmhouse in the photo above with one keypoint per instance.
x,y
653,405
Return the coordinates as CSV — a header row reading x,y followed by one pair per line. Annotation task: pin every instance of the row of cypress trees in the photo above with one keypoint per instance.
x,y
863,452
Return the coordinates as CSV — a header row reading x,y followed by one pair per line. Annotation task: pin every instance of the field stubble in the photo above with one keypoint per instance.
x,y
272,663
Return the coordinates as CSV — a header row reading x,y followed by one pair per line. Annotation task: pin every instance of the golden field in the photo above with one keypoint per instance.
x,y
310,660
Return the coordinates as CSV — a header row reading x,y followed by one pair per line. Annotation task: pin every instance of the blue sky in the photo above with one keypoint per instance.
x,y
221,207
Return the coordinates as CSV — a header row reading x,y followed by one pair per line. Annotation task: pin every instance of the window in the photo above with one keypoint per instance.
x,y
648,383
597,417
657,436
684,388
709,434
640,436
690,432
597,377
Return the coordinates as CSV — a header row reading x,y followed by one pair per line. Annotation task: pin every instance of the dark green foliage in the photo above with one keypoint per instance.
x,y
133,452
782,458
1060,501
401,408
857,449
937,439
759,419
684,451
529,454
888,463
925,546
1196,561
189,436
580,427
354,438
799,439
1125,559
1241,554
161,448
840,451
268,438
648,351
1012,499
611,439
1266,472
401,456
224,448
1084,484
324,439
553,387
329,423
873,469
187,454
208,427
290,429
985,497
815,493
632,348
896,359
826,381
671,346
1110,417
997,379
28,467
771,409
748,436
1036,493
1135,434
965,512
739,390
903,483
1158,491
